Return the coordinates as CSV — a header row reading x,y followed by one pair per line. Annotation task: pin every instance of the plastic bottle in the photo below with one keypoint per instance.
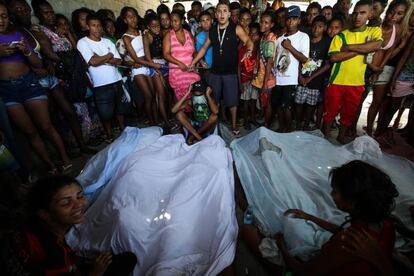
x,y
248,215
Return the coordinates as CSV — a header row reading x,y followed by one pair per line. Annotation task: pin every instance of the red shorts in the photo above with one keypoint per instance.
x,y
343,100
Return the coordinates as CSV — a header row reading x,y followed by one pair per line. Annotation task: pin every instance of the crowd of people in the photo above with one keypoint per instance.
x,y
77,81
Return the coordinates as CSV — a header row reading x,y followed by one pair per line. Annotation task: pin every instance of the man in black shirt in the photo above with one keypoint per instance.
x,y
223,38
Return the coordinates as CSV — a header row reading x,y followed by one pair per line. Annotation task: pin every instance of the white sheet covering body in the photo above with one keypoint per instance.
x,y
100,169
282,171
169,203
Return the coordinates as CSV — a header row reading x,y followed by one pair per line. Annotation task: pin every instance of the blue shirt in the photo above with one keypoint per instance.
x,y
200,39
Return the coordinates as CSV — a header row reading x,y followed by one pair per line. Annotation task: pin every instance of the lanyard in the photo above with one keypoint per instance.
x,y
221,39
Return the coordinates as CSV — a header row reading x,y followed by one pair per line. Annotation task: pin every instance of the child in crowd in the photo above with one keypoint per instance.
x,y
378,7
235,12
154,54
368,195
327,11
134,45
335,26
265,79
55,205
249,93
165,22
102,57
79,21
245,19
346,83
207,61
280,25
292,50
109,30
197,111
312,11
313,74
194,22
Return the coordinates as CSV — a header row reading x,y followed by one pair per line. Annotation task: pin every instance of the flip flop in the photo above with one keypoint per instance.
x,y
66,168
236,132
53,171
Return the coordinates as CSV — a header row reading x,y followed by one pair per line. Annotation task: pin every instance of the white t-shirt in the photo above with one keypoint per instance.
x,y
286,65
102,74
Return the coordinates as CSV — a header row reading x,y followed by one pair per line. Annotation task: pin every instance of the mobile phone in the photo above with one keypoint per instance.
x,y
13,44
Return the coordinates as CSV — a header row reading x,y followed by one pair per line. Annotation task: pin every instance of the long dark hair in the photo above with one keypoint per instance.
x,y
75,18
370,189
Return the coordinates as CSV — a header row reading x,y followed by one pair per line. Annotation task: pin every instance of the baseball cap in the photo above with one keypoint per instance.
x,y
199,86
292,11
207,6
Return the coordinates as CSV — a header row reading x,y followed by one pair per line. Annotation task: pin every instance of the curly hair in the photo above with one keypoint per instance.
x,y
370,189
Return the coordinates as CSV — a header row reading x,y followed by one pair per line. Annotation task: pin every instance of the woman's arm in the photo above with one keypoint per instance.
x,y
147,41
241,34
33,59
46,46
131,52
166,49
296,213
268,70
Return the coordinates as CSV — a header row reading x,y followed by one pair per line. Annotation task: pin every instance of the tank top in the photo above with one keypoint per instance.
x,y
156,46
224,56
136,43
392,39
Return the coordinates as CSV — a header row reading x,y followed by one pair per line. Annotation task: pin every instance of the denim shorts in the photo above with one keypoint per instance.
x,y
108,100
49,82
22,89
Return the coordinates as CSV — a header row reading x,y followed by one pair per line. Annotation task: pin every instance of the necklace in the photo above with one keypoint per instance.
x,y
221,39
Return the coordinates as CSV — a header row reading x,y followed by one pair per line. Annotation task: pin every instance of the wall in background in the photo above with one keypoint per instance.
x,y
67,6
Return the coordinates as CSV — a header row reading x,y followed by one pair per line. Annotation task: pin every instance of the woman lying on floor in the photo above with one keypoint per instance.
x,y
367,195
55,205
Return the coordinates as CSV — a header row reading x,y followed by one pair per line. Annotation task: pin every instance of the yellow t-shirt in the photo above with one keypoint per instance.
x,y
352,71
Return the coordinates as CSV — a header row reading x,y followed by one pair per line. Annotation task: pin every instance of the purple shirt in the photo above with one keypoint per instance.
x,y
17,56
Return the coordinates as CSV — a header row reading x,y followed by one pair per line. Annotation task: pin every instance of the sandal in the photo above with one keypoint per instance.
x,y
53,171
236,132
66,168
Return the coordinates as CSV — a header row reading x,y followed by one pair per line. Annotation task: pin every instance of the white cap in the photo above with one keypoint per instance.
x,y
207,6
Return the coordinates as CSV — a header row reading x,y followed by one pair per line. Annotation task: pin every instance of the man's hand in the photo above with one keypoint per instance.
x,y
286,44
296,213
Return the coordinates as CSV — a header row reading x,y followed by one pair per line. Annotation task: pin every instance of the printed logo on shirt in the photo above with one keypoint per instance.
x,y
283,61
